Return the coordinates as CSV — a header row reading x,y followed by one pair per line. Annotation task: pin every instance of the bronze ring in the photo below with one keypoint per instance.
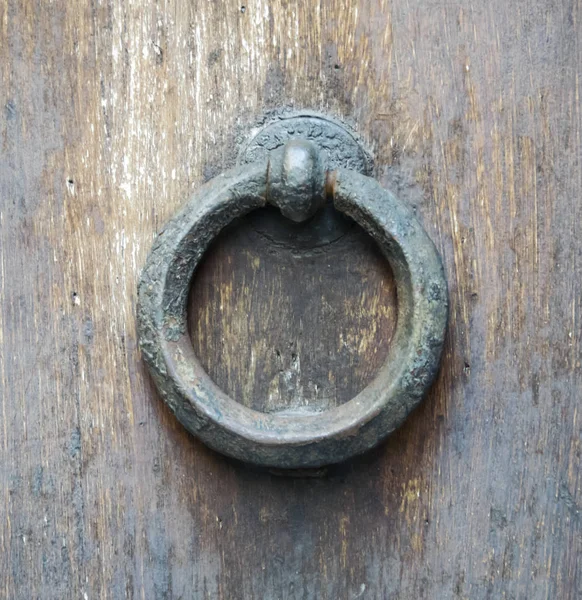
x,y
294,179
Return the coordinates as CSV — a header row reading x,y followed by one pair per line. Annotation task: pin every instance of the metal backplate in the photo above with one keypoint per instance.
x,y
339,144
340,147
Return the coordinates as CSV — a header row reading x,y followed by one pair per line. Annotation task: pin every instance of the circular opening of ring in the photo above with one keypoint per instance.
x,y
289,317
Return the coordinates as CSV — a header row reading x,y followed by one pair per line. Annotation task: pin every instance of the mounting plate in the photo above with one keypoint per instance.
x,y
340,145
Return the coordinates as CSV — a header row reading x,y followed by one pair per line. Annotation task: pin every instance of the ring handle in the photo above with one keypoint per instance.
x,y
293,178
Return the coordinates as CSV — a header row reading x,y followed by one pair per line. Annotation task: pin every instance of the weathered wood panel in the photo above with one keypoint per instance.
x,y
112,113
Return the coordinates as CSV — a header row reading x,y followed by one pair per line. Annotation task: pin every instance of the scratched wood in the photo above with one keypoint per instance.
x,y
113,112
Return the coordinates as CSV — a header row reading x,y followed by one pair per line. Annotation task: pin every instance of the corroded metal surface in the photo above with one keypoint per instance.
x,y
339,145
294,179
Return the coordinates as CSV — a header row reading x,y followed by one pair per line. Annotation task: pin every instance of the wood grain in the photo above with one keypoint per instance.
x,y
284,324
112,113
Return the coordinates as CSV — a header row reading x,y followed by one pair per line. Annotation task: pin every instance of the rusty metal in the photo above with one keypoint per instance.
x,y
294,179
338,143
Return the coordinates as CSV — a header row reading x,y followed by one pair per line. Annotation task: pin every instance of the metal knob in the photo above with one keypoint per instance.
x,y
296,180
293,178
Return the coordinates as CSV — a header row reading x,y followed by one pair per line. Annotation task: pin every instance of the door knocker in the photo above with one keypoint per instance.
x,y
297,176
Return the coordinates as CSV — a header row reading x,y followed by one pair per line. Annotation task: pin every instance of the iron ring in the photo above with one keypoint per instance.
x,y
297,184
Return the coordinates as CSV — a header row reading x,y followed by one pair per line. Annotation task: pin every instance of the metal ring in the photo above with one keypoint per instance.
x,y
299,439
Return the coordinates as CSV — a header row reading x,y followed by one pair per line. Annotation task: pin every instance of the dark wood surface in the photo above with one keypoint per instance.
x,y
112,112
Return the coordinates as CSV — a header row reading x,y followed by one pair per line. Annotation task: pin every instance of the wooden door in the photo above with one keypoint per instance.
x,y
112,113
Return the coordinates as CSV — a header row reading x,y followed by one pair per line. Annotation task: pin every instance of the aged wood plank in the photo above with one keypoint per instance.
x,y
283,324
112,113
